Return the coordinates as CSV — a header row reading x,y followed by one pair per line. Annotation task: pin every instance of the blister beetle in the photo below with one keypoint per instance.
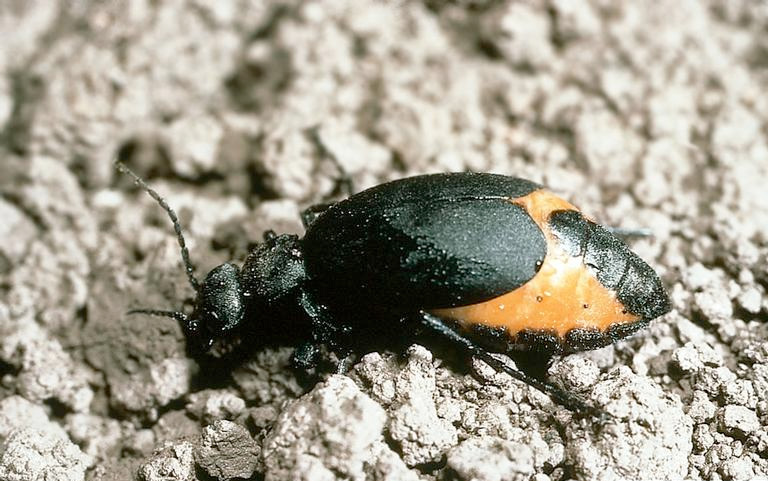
x,y
490,262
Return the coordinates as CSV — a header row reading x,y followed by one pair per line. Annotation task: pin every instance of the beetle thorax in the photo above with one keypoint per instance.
x,y
274,271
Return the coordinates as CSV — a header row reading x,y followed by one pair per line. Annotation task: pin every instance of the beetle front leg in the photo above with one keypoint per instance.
x,y
305,356
325,332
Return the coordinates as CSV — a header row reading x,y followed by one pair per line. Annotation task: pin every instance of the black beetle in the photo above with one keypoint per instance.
x,y
490,262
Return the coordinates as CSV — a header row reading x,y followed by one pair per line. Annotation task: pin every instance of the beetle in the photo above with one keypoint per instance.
x,y
494,264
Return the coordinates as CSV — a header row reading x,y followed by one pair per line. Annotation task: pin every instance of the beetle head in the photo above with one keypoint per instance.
x,y
219,308
219,305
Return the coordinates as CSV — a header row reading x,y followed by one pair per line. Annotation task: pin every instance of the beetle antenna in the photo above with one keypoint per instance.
x,y
188,267
179,316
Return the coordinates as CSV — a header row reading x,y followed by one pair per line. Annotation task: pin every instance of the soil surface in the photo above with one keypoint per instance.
x,y
647,114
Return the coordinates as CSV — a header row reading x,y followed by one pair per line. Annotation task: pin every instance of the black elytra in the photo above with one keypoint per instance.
x,y
407,249
425,242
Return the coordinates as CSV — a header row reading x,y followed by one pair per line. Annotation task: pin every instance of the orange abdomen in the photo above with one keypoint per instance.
x,y
565,295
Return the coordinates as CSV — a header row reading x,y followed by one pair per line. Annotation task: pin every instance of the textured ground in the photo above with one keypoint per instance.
x,y
643,113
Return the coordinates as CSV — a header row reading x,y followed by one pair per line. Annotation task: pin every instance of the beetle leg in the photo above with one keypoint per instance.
x,y
325,331
344,362
564,398
305,356
344,187
628,233
343,184
312,212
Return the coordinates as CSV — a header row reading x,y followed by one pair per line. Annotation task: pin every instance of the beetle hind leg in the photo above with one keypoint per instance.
x,y
566,399
629,233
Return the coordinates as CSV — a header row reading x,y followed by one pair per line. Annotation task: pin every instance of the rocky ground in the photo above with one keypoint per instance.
x,y
645,114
